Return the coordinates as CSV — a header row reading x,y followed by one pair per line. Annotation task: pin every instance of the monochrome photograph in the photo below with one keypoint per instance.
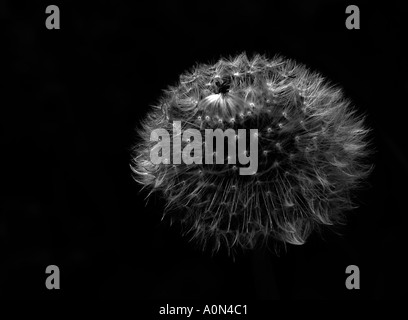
x,y
203,159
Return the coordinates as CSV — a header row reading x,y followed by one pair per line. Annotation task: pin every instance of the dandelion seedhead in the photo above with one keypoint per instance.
x,y
311,152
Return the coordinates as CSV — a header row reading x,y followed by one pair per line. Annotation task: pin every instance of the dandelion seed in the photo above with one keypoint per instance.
x,y
285,200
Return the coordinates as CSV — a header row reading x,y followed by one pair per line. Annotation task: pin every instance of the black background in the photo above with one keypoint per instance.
x,y
72,98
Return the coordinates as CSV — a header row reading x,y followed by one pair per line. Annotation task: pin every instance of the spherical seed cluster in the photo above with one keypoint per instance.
x,y
311,150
